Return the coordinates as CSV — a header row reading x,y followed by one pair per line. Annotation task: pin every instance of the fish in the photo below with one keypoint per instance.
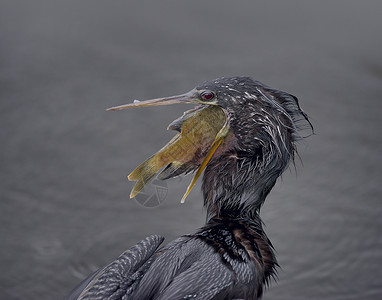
x,y
200,132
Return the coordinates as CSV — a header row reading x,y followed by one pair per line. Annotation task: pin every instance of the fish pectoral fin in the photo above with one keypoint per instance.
x,y
175,168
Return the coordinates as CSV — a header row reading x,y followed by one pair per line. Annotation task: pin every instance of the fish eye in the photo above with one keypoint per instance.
x,y
207,95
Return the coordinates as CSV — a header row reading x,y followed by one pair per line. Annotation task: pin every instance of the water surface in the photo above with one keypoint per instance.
x,y
64,207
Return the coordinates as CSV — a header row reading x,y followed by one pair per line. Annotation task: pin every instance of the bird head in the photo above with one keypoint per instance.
x,y
258,122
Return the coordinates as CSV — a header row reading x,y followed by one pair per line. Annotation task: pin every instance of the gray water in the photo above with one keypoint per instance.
x,y
64,207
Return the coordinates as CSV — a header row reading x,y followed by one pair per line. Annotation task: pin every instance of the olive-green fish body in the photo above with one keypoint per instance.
x,y
185,152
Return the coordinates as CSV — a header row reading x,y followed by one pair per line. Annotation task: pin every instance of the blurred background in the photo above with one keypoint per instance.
x,y
65,207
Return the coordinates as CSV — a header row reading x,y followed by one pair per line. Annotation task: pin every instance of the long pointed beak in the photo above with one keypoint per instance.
x,y
184,98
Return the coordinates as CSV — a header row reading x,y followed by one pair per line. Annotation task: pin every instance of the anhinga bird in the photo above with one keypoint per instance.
x,y
243,135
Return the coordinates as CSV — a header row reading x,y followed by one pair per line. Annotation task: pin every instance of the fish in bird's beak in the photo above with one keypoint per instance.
x,y
201,132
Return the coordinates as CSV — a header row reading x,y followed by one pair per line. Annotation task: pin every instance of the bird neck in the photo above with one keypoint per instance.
x,y
231,238
235,185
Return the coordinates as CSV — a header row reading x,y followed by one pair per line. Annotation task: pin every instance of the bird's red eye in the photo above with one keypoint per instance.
x,y
207,96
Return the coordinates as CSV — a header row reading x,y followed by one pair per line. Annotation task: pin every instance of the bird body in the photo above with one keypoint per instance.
x,y
245,139
226,259
210,264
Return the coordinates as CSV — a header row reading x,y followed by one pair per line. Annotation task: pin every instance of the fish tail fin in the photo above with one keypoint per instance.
x,y
143,174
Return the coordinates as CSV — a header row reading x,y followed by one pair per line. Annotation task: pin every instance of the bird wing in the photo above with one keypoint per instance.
x,y
121,276
205,279
187,268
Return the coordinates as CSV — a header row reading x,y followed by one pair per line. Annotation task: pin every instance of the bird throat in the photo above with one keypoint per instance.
x,y
236,184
